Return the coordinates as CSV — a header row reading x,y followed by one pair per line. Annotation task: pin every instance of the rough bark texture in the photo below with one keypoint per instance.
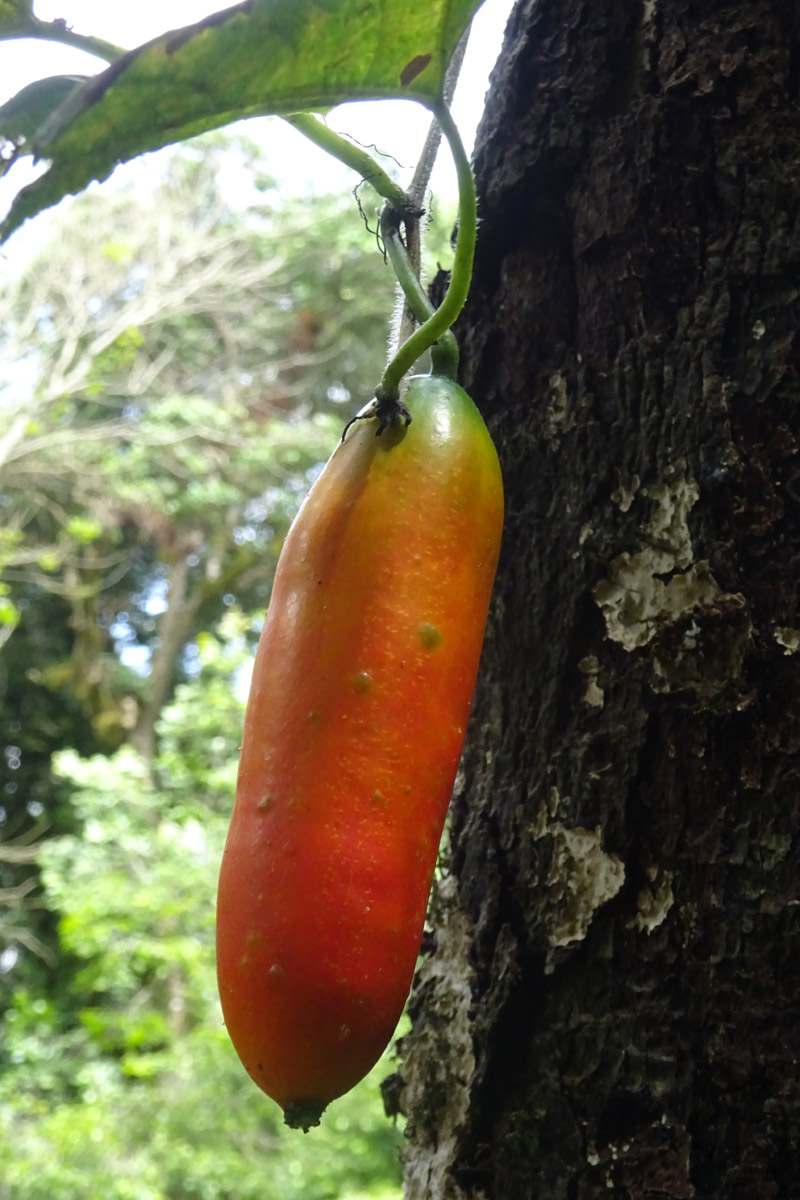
x,y
611,1004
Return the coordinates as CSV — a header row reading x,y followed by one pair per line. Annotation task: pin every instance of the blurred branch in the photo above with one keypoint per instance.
x,y
23,848
19,850
25,937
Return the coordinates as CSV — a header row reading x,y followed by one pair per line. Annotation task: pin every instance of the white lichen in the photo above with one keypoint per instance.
x,y
625,492
551,804
667,530
635,602
653,903
788,638
582,877
659,583
558,419
594,694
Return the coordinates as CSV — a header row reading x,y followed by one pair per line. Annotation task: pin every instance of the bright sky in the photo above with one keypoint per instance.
x,y
396,127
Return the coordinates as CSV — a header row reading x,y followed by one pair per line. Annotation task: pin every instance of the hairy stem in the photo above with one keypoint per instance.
x,y
432,329
422,175
444,352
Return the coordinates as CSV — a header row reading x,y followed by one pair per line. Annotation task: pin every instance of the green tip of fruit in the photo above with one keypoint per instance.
x,y
303,1114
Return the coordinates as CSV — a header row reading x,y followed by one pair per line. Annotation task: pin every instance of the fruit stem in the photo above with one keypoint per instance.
x,y
444,351
433,328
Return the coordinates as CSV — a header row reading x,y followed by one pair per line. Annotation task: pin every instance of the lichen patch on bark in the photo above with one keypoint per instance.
x,y
788,638
658,584
582,877
636,602
654,901
590,667
560,418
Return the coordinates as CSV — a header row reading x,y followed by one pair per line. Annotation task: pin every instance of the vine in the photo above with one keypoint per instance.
x,y
440,321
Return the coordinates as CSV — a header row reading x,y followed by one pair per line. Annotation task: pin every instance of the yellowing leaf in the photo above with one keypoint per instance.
x,y
258,57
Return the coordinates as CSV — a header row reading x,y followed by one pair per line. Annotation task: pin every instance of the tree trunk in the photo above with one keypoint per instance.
x,y
610,1005
174,631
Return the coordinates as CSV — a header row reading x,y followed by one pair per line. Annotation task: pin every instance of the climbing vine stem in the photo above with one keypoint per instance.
x,y
444,351
437,324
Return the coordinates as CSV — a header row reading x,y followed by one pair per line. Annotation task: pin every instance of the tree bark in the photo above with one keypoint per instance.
x,y
610,1002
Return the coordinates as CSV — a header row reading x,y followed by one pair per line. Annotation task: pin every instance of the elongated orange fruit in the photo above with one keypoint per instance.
x,y
359,702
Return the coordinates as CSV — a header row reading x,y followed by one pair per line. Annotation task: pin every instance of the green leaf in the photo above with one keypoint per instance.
x,y
14,13
9,613
24,113
84,529
256,58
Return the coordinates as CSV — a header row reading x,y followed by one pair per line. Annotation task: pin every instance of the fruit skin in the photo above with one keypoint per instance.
x,y
354,728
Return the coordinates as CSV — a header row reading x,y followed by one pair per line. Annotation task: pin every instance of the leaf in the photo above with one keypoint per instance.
x,y
14,14
258,57
84,529
9,613
24,113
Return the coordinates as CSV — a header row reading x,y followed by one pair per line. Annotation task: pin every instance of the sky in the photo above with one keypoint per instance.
x,y
398,127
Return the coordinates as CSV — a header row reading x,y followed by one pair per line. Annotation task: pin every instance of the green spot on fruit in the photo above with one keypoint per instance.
x,y
362,682
430,637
